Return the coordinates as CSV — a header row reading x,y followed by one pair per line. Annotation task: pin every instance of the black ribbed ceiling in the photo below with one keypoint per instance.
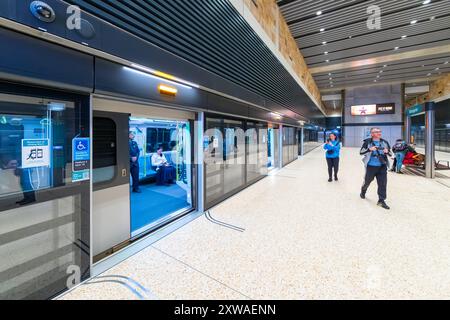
x,y
211,34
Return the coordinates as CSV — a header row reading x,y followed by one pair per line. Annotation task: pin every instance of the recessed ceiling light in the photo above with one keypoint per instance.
x,y
385,66
426,1
432,18
381,71
378,76
331,86
349,37
403,37
436,69
428,74
326,52
324,43
331,78
318,13
396,48
414,22
446,62
327,60
322,30
375,80
330,73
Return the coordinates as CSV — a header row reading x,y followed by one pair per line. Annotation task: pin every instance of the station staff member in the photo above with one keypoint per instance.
x,y
134,162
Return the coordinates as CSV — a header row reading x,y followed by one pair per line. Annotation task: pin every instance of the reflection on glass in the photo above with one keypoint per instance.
x,y
290,145
418,131
224,154
256,150
270,149
312,139
44,212
104,150
233,156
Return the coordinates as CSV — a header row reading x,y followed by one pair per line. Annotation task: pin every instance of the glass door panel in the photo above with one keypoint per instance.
x,y
234,155
225,156
252,151
44,194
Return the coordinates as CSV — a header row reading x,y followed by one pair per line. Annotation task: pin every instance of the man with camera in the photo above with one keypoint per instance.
x,y
376,151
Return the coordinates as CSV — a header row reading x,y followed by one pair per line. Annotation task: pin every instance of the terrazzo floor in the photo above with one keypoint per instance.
x,y
304,238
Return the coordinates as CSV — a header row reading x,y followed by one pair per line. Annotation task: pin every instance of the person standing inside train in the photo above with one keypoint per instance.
x,y
333,150
134,162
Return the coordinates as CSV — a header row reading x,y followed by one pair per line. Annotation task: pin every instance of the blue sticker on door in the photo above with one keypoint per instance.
x,y
81,159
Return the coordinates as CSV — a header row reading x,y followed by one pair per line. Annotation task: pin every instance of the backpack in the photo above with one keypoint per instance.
x,y
399,146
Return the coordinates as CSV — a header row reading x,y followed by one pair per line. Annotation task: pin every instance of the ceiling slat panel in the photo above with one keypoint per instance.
x,y
347,39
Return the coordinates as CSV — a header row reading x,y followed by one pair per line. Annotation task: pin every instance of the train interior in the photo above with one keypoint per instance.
x,y
158,199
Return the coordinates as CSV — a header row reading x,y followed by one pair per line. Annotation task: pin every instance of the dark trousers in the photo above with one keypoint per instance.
x,y
380,173
333,163
134,171
165,175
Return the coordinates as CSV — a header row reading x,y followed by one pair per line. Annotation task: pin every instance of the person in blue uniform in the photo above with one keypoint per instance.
x,y
333,149
134,162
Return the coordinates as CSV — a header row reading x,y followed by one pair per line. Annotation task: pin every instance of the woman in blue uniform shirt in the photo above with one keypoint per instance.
x,y
333,148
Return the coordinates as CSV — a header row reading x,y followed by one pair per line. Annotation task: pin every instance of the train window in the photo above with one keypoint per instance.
x,y
104,149
159,137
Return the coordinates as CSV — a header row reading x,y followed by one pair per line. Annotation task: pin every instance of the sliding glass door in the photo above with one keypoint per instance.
x,y
44,193
257,158
236,155
224,149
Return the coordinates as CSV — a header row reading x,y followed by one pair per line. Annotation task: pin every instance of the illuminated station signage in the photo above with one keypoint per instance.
x,y
373,109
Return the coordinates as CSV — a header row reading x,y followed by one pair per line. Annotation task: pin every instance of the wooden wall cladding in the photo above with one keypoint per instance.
x,y
264,12
267,13
438,88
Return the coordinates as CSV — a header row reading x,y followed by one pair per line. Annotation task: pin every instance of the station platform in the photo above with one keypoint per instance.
x,y
294,235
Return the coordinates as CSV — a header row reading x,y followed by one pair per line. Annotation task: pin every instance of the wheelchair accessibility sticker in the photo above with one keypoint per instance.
x,y
81,159
35,153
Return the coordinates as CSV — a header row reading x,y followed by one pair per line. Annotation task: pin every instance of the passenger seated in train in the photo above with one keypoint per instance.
x,y
165,172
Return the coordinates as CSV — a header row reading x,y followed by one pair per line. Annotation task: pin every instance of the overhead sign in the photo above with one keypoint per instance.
x,y
35,153
364,110
373,109
416,110
386,108
81,159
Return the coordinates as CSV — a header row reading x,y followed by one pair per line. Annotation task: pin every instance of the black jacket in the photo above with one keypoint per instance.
x,y
367,144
